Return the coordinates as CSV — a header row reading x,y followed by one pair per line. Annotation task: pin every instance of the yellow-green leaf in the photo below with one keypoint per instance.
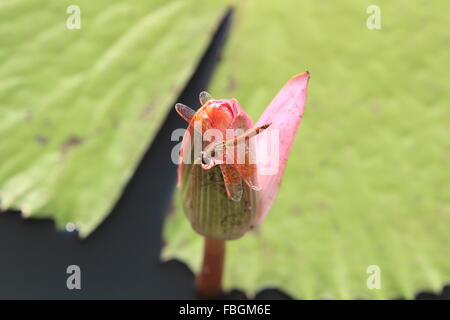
x,y
78,107
367,180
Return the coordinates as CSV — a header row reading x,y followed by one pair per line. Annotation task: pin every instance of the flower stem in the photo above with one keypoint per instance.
x,y
209,280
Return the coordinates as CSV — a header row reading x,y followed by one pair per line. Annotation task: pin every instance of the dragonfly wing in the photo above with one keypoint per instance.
x,y
205,97
243,155
233,182
185,112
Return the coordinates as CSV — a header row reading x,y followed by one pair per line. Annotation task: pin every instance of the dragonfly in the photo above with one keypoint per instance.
x,y
235,155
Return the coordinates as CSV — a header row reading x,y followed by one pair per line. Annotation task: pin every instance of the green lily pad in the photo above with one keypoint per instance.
x,y
78,107
367,180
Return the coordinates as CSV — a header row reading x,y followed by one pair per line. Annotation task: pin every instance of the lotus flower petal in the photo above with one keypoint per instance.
x,y
285,113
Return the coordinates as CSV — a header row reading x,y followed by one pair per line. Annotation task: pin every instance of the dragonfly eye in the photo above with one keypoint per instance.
x,y
205,159
207,162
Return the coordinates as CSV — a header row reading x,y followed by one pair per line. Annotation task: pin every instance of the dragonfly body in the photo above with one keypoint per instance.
x,y
219,186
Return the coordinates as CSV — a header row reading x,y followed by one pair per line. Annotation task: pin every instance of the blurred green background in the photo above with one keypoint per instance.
x,y
79,107
367,182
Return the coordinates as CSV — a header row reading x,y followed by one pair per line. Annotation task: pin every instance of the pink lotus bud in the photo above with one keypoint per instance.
x,y
224,189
